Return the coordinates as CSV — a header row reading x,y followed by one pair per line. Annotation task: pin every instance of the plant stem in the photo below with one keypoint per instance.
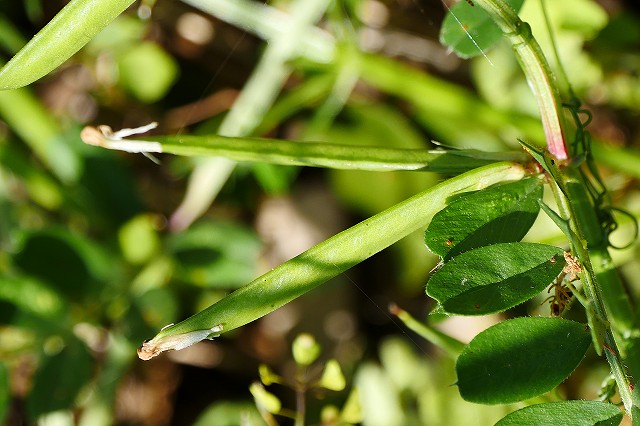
x,y
301,406
602,284
562,75
536,70
268,22
448,344
569,208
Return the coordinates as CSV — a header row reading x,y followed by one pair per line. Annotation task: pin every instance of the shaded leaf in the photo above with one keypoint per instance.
x,y
520,358
109,186
495,278
64,261
500,214
469,31
157,306
566,413
59,379
215,255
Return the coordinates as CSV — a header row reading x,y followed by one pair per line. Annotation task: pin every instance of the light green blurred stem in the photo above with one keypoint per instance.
x,y
623,160
337,254
451,346
256,98
28,118
320,154
268,23
11,39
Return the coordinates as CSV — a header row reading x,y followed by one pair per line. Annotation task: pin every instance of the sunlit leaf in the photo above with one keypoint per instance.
x,y
566,413
500,214
494,278
352,409
28,117
469,31
520,358
158,307
267,376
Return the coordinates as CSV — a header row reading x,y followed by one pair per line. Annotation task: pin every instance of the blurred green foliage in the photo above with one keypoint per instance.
x,y
88,268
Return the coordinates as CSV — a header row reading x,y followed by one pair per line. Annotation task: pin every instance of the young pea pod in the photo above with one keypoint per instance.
x,y
324,261
73,27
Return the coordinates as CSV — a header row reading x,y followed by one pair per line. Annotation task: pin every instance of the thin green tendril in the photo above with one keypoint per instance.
x,y
600,197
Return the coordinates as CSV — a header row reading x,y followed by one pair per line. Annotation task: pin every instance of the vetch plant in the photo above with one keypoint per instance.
x,y
475,222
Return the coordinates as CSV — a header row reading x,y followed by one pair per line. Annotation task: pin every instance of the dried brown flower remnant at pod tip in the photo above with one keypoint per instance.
x,y
105,137
153,347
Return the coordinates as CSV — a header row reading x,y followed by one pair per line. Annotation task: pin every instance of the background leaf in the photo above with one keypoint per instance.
x,y
567,413
494,278
32,296
5,391
59,379
147,71
68,263
520,358
500,214
215,255
464,22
